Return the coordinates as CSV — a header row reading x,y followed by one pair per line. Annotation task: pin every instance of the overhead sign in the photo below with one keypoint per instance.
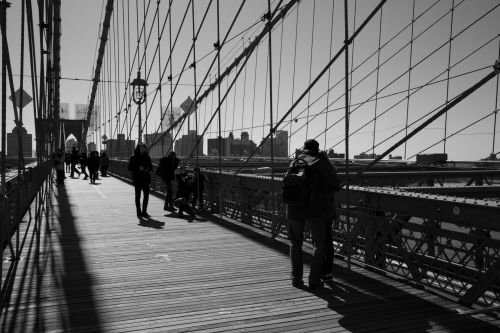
x,y
22,98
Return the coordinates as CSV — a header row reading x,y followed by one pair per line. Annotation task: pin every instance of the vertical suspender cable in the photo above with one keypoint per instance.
x,y
273,221
496,109
3,13
171,70
293,75
159,74
219,141
329,76
310,69
378,77
346,50
254,86
194,83
448,73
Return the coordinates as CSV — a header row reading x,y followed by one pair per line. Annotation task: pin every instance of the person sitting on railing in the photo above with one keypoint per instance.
x,y
140,165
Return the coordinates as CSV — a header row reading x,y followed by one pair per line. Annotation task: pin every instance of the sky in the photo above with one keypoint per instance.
x,y
387,99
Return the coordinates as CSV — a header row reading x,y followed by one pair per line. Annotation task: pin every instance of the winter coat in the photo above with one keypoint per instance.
x,y
140,176
327,182
166,168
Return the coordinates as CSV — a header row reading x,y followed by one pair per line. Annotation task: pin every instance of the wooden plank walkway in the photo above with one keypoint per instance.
x,y
94,268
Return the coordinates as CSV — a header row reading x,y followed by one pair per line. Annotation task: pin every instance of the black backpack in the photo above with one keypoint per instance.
x,y
299,183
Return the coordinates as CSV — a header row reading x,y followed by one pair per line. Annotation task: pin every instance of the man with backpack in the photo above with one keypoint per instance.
x,y
308,188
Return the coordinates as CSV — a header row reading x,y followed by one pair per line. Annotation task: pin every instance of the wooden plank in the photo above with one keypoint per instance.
x,y
93,267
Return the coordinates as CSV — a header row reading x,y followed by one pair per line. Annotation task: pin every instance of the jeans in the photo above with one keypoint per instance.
x,y
138,189
317,228
168,195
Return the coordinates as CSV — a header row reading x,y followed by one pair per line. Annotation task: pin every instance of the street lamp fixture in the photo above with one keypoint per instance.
x,y
139,96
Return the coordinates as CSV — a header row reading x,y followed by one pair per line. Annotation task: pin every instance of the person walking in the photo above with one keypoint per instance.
x,y
67,161
93,165
313,211
166,171
83,164
140,165
104,163
75,157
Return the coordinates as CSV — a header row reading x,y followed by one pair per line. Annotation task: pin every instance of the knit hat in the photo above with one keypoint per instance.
x,y
311,144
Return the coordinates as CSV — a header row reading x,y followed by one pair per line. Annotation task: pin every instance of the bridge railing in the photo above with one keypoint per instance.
x,y
20,192
449,244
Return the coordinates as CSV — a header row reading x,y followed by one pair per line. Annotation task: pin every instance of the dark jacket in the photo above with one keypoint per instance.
x,y
93,162
104,160
140,177
185,185
327,182
166,168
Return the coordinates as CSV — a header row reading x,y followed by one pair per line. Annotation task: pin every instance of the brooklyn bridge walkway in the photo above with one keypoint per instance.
x,y
93,267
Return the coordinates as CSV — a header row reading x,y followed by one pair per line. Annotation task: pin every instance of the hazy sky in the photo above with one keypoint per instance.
x,y
302,46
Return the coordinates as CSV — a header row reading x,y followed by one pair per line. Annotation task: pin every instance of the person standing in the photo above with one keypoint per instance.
x,y
59,160
67,161
140,165
314,212
166,171
199,187
93,165
83,164
104,163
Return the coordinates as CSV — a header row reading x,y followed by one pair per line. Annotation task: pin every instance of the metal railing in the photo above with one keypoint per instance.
x,y
449,244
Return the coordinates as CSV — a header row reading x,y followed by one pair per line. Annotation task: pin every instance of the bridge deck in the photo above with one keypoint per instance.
x,y
94,268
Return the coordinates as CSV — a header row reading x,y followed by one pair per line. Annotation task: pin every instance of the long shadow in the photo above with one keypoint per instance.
x,y
367,304
370,305
74,277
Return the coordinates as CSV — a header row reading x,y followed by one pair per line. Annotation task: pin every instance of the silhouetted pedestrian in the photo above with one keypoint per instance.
x,y
166,171
320,182
104,162
59,159
67,161
83,164
75,158
140,165
199,187
93,165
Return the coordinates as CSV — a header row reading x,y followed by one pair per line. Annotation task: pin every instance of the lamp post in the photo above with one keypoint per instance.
x,y
139,95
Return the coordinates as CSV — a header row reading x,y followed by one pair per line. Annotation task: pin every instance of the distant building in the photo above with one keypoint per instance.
x,y
120,147
280,145
13,143
185,146
432,159
91,146
395,157
366,156
213,147
231,146
333,154
161,147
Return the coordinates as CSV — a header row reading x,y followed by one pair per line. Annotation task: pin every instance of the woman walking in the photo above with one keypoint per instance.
x,y
140,165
